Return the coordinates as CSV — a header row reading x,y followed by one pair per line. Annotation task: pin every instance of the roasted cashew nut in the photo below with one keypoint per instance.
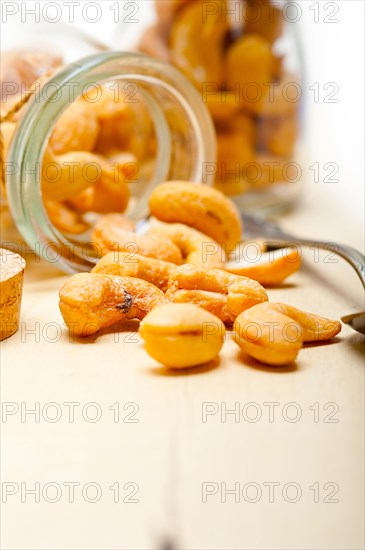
x,y
278,135
66,176
235,149
273,333
196,248
64,218
219,292
128,264
118,119
90,302
182,335
250,62
200,207
77,129
264,19
197,45
284,100
114,232
271,268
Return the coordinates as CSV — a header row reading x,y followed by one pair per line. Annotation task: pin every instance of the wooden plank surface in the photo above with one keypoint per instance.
x,y
161,450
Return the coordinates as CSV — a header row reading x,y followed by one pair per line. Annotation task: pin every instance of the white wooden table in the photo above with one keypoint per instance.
x,y
135,457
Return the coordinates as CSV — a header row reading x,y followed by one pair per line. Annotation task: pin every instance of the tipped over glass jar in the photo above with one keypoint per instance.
x,y
92,137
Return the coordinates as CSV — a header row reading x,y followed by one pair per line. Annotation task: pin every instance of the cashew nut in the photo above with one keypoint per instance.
x,y
250,63
274,333
64,218
264,19
90,302
182,335
77,129
235,151
196,248
271,269
66,176
197,45
114,232
278,135
129,264
200,207
219,292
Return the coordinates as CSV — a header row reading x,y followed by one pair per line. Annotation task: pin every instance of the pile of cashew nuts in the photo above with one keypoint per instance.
x,y
179,281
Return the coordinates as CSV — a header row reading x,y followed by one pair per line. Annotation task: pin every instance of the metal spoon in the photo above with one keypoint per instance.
x,y
275,237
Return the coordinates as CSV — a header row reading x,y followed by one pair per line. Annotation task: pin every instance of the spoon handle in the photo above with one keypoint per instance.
x,y
352,256
275,237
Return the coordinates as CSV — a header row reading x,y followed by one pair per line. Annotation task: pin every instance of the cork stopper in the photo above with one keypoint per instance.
x,y
11,286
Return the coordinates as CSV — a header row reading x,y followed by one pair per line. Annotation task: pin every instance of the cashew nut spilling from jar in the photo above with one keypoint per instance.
x,y
114,232
219,292
90,302
199,206
196,248
182,335
129,264
270,269
274,333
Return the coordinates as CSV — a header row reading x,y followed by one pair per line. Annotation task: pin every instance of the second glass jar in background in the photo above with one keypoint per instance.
x,y
244,58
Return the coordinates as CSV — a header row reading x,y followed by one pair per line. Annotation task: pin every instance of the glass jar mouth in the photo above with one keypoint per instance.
x,y
24,163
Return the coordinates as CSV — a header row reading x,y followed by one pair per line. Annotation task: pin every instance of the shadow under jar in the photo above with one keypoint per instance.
x,y
244,58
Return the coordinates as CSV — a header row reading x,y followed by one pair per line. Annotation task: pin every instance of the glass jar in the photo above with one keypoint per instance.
x,y
244,58
180,138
